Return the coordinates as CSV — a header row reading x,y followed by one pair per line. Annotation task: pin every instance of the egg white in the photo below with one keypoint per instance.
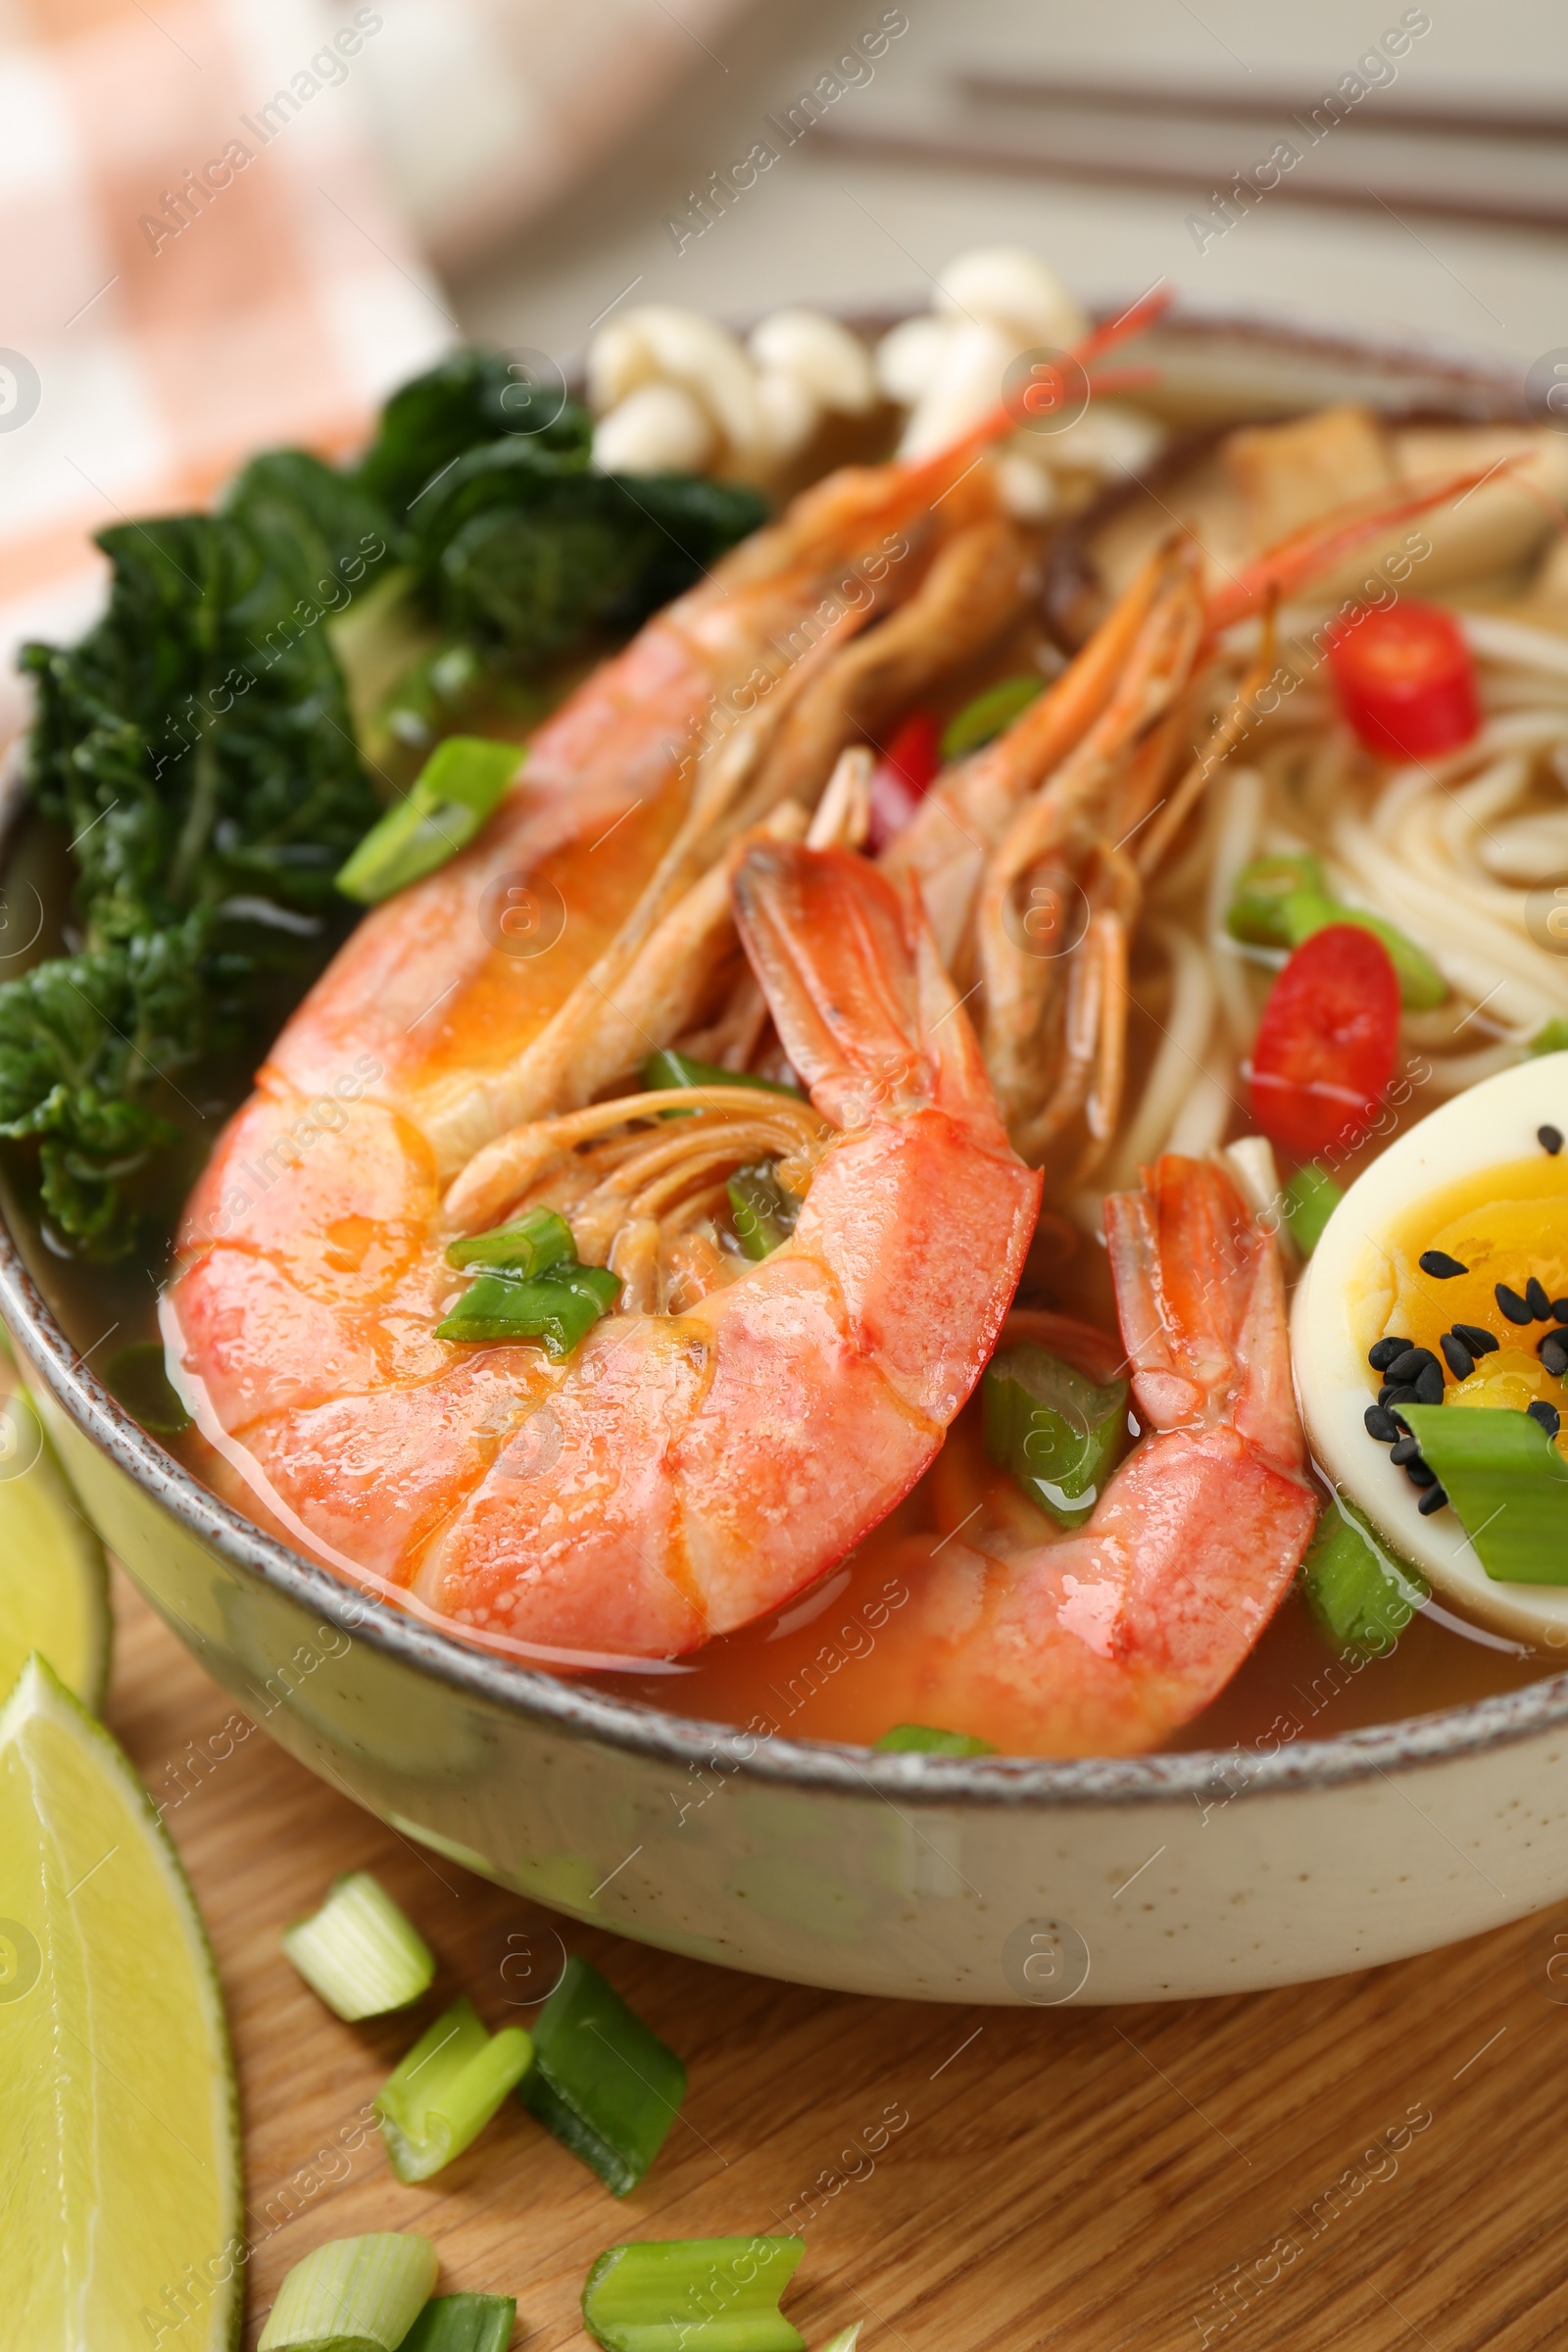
x,y
1489,1125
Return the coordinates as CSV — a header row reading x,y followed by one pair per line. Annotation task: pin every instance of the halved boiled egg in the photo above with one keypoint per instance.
x,y
1455,1242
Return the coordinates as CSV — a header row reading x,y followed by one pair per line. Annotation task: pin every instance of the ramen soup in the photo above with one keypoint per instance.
x,y
934,1115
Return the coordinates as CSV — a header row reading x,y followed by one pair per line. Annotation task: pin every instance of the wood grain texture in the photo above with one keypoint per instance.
x,y
1252,2173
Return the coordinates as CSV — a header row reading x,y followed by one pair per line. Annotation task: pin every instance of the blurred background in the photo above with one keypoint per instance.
x,y
233,221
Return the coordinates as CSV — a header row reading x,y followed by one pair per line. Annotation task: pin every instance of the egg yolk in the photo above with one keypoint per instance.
x,y
1502,1226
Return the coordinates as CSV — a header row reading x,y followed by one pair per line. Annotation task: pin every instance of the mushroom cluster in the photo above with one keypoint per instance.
x,y
673,390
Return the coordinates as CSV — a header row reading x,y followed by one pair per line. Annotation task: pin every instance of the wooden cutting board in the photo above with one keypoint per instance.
x,y
1372,2163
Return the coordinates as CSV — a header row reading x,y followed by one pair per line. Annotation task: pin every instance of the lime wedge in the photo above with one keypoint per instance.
x,y
54,1593
119,2174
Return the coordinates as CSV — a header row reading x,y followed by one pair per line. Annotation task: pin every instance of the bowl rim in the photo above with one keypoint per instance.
x,y
581,1710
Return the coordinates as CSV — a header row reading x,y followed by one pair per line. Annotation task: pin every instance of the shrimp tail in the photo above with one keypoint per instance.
x,y
1200,1298
864,1008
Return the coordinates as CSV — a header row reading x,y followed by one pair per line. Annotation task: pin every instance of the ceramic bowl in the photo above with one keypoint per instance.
x,y
923,1876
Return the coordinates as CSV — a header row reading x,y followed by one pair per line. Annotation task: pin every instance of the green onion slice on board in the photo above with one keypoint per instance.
x,y
463,781
464,2324
353,2294
447,2088
693,2295
1506,1481
1058,1433
602,2081
359,1952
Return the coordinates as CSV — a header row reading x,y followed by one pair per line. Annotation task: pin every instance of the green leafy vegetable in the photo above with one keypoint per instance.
x,y
1357,1587
602,2081
1309,1200
1507,1482
988,714
1058,1433
693,2295
473,396
920,1738
463,781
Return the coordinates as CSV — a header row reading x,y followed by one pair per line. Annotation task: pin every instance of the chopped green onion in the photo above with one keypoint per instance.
x,y
764,1214
137,1377
920,1738
1552,1038
532,1245
464,2324
1257,912
1059,1434
988,714
359,1952
1309,1200
447,2088
559,1310
1281,902
464,779
602,2080
669,1068
1361,1591
845,2340
693,2295
353,2294
1506,1481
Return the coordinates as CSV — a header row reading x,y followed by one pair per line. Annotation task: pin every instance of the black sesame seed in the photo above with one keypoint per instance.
x,y
1380,1425
1478,1338
1439,1265
1559,1309
1553,1354
1433,1499
1387,1351
1547,1414
1550,1139
1419,1475
1429,1384
1457,1356
1411,1364
1397,1393
1517,1309
1536,1300
1404,1451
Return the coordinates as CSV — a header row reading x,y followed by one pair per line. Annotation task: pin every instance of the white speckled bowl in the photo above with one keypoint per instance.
x,y
926,1877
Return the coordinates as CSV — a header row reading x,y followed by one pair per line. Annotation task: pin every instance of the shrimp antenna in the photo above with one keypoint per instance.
x,y
1003,419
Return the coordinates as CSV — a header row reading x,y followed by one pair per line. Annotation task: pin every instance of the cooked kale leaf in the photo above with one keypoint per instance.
x,y
197,746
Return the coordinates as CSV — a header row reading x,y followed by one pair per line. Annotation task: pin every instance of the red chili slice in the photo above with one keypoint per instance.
x,y
1327,1042
902,776
1406,680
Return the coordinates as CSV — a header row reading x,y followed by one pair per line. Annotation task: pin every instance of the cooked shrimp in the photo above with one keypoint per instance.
x,y
683,1471
1104,1640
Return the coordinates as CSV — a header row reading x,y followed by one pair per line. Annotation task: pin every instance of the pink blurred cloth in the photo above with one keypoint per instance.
x,y
201,260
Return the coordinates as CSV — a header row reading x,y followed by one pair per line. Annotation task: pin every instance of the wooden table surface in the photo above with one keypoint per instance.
x,y
1372,2163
